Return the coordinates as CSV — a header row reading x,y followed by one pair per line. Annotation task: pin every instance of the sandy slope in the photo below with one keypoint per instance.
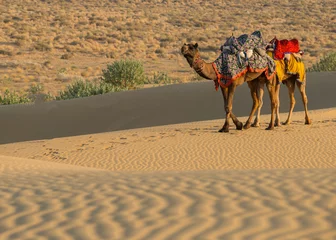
x,y
195,146
182,181
172,104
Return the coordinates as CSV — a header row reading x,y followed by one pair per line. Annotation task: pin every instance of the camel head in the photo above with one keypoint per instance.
x,y
190,51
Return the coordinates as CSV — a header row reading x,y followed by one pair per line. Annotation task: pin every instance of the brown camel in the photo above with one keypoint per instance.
x,y
206,70
290,80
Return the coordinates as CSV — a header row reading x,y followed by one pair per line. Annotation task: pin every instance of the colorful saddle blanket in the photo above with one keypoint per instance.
x,y
284,46
292,66
242,54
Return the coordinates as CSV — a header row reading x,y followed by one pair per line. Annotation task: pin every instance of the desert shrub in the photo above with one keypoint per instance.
x,y
36,93
13,97
83,88
43,47
159,78
125,74
327,63
36,88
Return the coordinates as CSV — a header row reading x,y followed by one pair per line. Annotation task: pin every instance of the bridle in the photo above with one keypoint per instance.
x,y
195,64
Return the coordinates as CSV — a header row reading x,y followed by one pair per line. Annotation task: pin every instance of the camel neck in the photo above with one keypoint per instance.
x,y
198,64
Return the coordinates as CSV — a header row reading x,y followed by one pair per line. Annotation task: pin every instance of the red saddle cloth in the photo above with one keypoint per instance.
x,y
285,46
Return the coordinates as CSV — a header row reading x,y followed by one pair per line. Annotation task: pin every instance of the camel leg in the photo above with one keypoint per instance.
x,y
291,87
277,112
228,99
260,94
225,128
239,125
271,90
253,85
302,88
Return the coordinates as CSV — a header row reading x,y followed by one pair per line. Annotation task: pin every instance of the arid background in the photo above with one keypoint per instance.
x,y
54,42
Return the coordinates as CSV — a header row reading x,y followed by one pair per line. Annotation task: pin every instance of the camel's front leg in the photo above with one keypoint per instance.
x,y
260,94
291,88
228,99
271,91
253,85
302,88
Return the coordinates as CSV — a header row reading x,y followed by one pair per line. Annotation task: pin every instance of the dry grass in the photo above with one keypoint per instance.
x,y
39,38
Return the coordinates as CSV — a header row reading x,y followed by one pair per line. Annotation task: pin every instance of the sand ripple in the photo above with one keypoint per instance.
x,y
57,201
195,146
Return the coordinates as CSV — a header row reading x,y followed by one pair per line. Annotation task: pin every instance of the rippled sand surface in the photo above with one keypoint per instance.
x,y
183,181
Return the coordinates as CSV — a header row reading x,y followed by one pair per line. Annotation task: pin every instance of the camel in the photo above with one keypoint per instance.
x,y
290,80
206,70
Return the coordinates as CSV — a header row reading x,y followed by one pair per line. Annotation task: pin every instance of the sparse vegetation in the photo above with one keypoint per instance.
x,y
13,97
159,78
126,74
327,63
83,88
38,41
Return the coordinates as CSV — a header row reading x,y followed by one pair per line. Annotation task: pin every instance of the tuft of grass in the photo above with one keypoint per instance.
x,y
83,88
327,63
13,97
159,78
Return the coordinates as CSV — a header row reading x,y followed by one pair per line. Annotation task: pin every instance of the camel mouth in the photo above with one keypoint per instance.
x,y
185,50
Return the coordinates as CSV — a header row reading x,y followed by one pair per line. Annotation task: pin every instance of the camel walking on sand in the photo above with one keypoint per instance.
x,y
208,71
290,71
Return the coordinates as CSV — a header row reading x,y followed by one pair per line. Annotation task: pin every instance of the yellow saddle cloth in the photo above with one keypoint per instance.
x,y
294,67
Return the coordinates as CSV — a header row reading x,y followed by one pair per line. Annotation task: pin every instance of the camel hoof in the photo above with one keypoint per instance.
x,y
270,128
247,126
308,122
277,124
223,129
255,125
239,126
286,123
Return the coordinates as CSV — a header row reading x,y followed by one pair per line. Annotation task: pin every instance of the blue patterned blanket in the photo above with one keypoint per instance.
x,y
242,54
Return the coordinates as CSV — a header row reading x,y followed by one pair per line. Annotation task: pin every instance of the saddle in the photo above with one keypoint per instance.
x,y
283,48
239,55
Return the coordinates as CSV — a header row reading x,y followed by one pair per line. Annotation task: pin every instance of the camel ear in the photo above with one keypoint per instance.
x,y
196,45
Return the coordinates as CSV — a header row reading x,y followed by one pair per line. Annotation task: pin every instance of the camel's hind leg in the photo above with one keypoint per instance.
x,y
260,94
277,111
302,88
291,87
253,85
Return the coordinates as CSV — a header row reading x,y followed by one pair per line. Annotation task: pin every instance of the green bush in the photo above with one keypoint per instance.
x,y
81,88
327,63
36,88
126,74
13,98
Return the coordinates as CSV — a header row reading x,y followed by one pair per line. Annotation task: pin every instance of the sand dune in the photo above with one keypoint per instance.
x,y
76,180
44,200
183,181
195,146
171,104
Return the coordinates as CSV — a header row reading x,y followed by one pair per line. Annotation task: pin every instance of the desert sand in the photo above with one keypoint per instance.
x,y
150,164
